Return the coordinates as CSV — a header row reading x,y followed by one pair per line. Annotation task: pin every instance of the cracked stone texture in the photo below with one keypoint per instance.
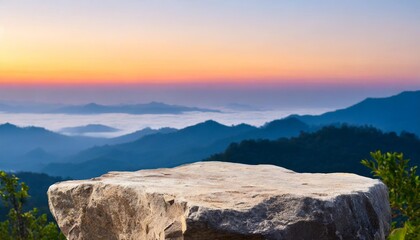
x,y
217,200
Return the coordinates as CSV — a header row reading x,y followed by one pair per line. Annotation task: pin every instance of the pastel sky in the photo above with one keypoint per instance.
x,y
236,41
264,53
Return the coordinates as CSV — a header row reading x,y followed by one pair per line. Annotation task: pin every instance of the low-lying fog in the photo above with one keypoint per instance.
x,y
128,123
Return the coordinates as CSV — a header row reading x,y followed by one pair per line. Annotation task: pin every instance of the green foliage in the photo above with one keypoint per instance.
x,y
404,192
39,184
22,225
398,234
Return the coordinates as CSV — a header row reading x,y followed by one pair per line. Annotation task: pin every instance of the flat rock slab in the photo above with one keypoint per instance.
x,y
217,200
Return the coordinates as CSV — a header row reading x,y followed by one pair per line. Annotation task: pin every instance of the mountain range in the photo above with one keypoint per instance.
x,y
30,148
94,108
330,142
90,128
148,108
37,149
165,150
139,134
396,113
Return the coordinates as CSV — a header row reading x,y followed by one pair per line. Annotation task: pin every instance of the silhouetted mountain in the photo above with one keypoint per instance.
x,y
32,160
331,149
284,127
21,146
90,128
13,138
38,153
139,134
165,150
397,113
34,157
148,108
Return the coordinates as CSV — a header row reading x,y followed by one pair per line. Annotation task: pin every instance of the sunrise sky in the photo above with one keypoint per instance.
x,y
282,43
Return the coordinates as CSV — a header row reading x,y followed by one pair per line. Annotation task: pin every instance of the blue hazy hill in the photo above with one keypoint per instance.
x,y
23,139
31,148
90,128
396,113
27,148
139,134
34,148
165,150
147,108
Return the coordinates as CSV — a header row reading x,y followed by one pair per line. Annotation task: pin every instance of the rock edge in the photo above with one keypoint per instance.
x,y
217,200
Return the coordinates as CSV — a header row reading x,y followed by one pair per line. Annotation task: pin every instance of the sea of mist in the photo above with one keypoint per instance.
x,y
128,123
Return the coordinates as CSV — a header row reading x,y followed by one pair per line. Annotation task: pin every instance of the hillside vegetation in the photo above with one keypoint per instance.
x,y
331,149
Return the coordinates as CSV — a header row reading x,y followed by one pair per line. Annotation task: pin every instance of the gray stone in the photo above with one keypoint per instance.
x,y
216,200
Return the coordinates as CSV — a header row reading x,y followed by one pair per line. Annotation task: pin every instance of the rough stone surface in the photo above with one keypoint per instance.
x,y
215,200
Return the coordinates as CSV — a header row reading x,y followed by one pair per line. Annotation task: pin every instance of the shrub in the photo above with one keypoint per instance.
x,y
22,225
404,192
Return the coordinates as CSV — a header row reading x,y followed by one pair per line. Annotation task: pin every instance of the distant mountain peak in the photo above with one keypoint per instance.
x,y
11,128
7,124
417,92
400,112
143,108
399,95
8,127
156,103
210,121
289,122
207,124
92,104
90,128
244,125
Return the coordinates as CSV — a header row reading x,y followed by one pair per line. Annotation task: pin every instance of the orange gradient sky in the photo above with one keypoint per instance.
x,y
64,42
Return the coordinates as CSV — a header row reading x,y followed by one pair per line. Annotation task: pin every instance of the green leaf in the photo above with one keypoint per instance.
x,y
404,191
398,234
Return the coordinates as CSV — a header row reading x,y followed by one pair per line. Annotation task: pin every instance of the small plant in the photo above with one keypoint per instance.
x,y
404,192
22,225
